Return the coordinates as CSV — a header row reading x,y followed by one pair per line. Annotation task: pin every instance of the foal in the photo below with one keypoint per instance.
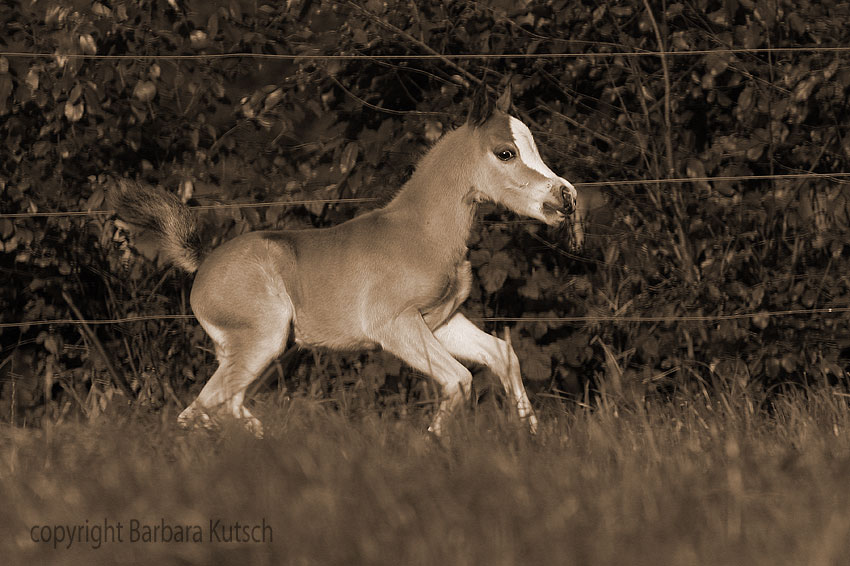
x,y
393,277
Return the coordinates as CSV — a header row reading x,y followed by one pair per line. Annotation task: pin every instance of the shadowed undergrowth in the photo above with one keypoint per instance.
x,y
725,480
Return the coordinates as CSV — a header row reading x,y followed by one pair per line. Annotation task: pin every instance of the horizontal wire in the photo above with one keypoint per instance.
x,y
471,56
440,57
521,319
719,178
672,318
284,203
630,182
123,320
197,207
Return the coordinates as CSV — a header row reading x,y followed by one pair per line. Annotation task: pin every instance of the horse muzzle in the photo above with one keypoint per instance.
x,y
568,199
563,199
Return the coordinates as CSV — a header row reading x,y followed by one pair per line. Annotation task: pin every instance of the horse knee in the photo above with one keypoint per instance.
x,y
459,387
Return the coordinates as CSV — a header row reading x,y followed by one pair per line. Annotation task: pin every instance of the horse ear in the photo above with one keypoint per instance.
x,y
481,108
504,102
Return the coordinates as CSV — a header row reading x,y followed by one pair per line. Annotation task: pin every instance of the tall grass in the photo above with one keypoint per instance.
x,y
717,480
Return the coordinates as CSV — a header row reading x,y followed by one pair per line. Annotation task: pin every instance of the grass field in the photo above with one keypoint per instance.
x,y
727,480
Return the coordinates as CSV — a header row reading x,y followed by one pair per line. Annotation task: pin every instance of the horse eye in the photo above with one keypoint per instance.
x,y
505,154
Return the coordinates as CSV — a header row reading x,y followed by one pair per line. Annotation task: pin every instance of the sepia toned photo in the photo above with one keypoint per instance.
x,y
383,282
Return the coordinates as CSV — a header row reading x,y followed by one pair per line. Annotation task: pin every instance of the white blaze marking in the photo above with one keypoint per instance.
x,y
529,155
528,150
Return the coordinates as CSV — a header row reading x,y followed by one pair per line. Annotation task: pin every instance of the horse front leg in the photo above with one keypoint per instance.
x,y
467,342
409,338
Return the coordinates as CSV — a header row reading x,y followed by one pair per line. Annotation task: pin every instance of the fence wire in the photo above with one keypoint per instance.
x,y
836,177
442,56
547,320
494,319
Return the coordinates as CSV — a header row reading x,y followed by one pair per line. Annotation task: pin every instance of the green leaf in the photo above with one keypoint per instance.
x,y
535,363
145,91
349,157
492,276
6,228
5,91
538,284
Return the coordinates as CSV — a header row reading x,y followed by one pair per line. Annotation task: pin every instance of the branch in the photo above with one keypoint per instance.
x,y
668,134
116,378
381,108
422,45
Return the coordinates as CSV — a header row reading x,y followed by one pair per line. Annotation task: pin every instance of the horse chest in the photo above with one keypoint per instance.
x,y
455,291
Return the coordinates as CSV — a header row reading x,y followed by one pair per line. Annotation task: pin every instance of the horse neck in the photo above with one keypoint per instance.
x,y
437,202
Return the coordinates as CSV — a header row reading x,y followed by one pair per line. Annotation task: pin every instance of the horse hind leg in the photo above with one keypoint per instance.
x,y
243,353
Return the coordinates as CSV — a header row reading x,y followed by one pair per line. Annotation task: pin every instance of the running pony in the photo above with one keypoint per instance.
x,y
393,277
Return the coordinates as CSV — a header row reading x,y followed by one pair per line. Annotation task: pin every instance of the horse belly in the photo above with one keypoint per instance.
x,y
327,320
330,335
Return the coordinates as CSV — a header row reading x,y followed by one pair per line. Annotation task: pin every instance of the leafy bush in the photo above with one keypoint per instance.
x,y
252,129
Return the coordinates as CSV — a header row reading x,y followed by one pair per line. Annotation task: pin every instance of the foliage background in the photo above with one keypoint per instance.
x,y
246,130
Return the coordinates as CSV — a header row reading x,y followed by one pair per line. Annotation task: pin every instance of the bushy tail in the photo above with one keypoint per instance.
x,y
176,226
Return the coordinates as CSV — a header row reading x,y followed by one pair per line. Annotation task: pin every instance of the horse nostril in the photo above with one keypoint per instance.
x,y
568,200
